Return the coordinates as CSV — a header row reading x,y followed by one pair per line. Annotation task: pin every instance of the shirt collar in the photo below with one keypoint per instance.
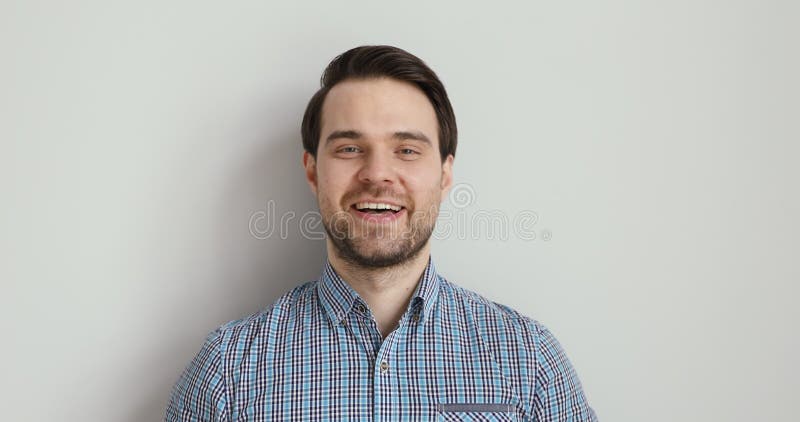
x,y
338,297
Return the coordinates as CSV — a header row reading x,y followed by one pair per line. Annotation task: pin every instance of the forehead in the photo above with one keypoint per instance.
x,y
378,107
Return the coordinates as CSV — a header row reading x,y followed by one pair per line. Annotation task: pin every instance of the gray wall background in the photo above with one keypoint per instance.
x,y
655,141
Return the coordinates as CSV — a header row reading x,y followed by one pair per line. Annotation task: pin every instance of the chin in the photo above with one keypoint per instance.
x,y
377,257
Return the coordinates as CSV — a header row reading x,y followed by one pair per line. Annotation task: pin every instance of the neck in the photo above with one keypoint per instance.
x,y
388,290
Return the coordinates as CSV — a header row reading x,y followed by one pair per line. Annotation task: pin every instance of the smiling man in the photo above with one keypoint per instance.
x,y
381,335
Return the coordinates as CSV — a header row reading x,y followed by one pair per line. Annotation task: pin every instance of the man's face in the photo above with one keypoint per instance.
x,y
378,147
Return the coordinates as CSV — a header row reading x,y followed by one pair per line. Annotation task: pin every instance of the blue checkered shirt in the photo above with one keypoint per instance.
x,y
316,354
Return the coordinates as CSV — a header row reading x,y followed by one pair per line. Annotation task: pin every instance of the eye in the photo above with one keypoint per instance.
x,y
349,149
408,151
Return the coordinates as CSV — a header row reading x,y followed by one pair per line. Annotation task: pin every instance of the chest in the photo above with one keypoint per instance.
x,y
425,372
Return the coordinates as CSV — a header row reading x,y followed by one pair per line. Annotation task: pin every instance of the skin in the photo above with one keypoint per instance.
x,y
377,155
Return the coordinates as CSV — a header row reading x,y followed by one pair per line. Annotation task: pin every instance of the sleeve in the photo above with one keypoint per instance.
x,y
558,394
200,394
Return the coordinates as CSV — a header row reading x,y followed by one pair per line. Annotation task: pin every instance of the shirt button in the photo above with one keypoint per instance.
x,y
384,367
361,308
415,318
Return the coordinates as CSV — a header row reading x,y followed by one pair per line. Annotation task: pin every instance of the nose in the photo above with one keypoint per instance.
x,y
376,169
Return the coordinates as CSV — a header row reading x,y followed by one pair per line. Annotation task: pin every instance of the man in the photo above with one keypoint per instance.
x,y
380,335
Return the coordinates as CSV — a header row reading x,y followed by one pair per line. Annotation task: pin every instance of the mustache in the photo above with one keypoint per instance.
x,y
380,192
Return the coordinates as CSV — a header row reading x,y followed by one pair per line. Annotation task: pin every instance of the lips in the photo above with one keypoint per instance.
x,y
369,203
377,211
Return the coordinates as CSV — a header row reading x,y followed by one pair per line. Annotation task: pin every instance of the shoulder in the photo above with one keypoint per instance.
x,y
228,341
551,385
202,391
298,300
531,337
485,308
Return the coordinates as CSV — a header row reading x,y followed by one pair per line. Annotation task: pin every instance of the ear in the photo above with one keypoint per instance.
x,y
310,164
447,176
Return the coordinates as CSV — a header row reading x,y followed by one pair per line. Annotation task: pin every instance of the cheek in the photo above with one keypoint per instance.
x,y
427,193
425,180
333,184
337,171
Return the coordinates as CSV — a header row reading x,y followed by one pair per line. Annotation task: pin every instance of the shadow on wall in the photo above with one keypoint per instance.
x,y
252,271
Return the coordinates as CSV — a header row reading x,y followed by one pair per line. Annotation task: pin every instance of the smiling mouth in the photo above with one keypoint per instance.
x,y
377,208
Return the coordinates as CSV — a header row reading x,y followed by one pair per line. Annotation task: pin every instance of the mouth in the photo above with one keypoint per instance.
x,y
378,211
377,207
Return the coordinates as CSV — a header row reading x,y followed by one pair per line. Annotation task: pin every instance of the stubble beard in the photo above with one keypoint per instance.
x,y
379,245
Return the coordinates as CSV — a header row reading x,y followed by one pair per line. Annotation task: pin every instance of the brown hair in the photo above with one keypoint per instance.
x,y
375,61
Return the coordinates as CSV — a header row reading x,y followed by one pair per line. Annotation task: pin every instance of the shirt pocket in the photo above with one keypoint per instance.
x,y
476,412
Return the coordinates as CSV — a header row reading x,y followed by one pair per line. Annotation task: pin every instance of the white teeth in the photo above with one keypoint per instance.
x,y
376,206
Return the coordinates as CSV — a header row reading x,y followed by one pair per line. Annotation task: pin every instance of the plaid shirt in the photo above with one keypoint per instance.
x,y
317,354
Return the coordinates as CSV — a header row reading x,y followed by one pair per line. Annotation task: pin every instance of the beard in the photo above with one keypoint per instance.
x,y
379,245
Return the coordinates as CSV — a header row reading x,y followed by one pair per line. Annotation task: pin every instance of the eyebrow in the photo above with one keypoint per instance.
x,y
401,135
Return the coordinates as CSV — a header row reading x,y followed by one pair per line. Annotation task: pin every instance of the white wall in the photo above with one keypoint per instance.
x,y
654,140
